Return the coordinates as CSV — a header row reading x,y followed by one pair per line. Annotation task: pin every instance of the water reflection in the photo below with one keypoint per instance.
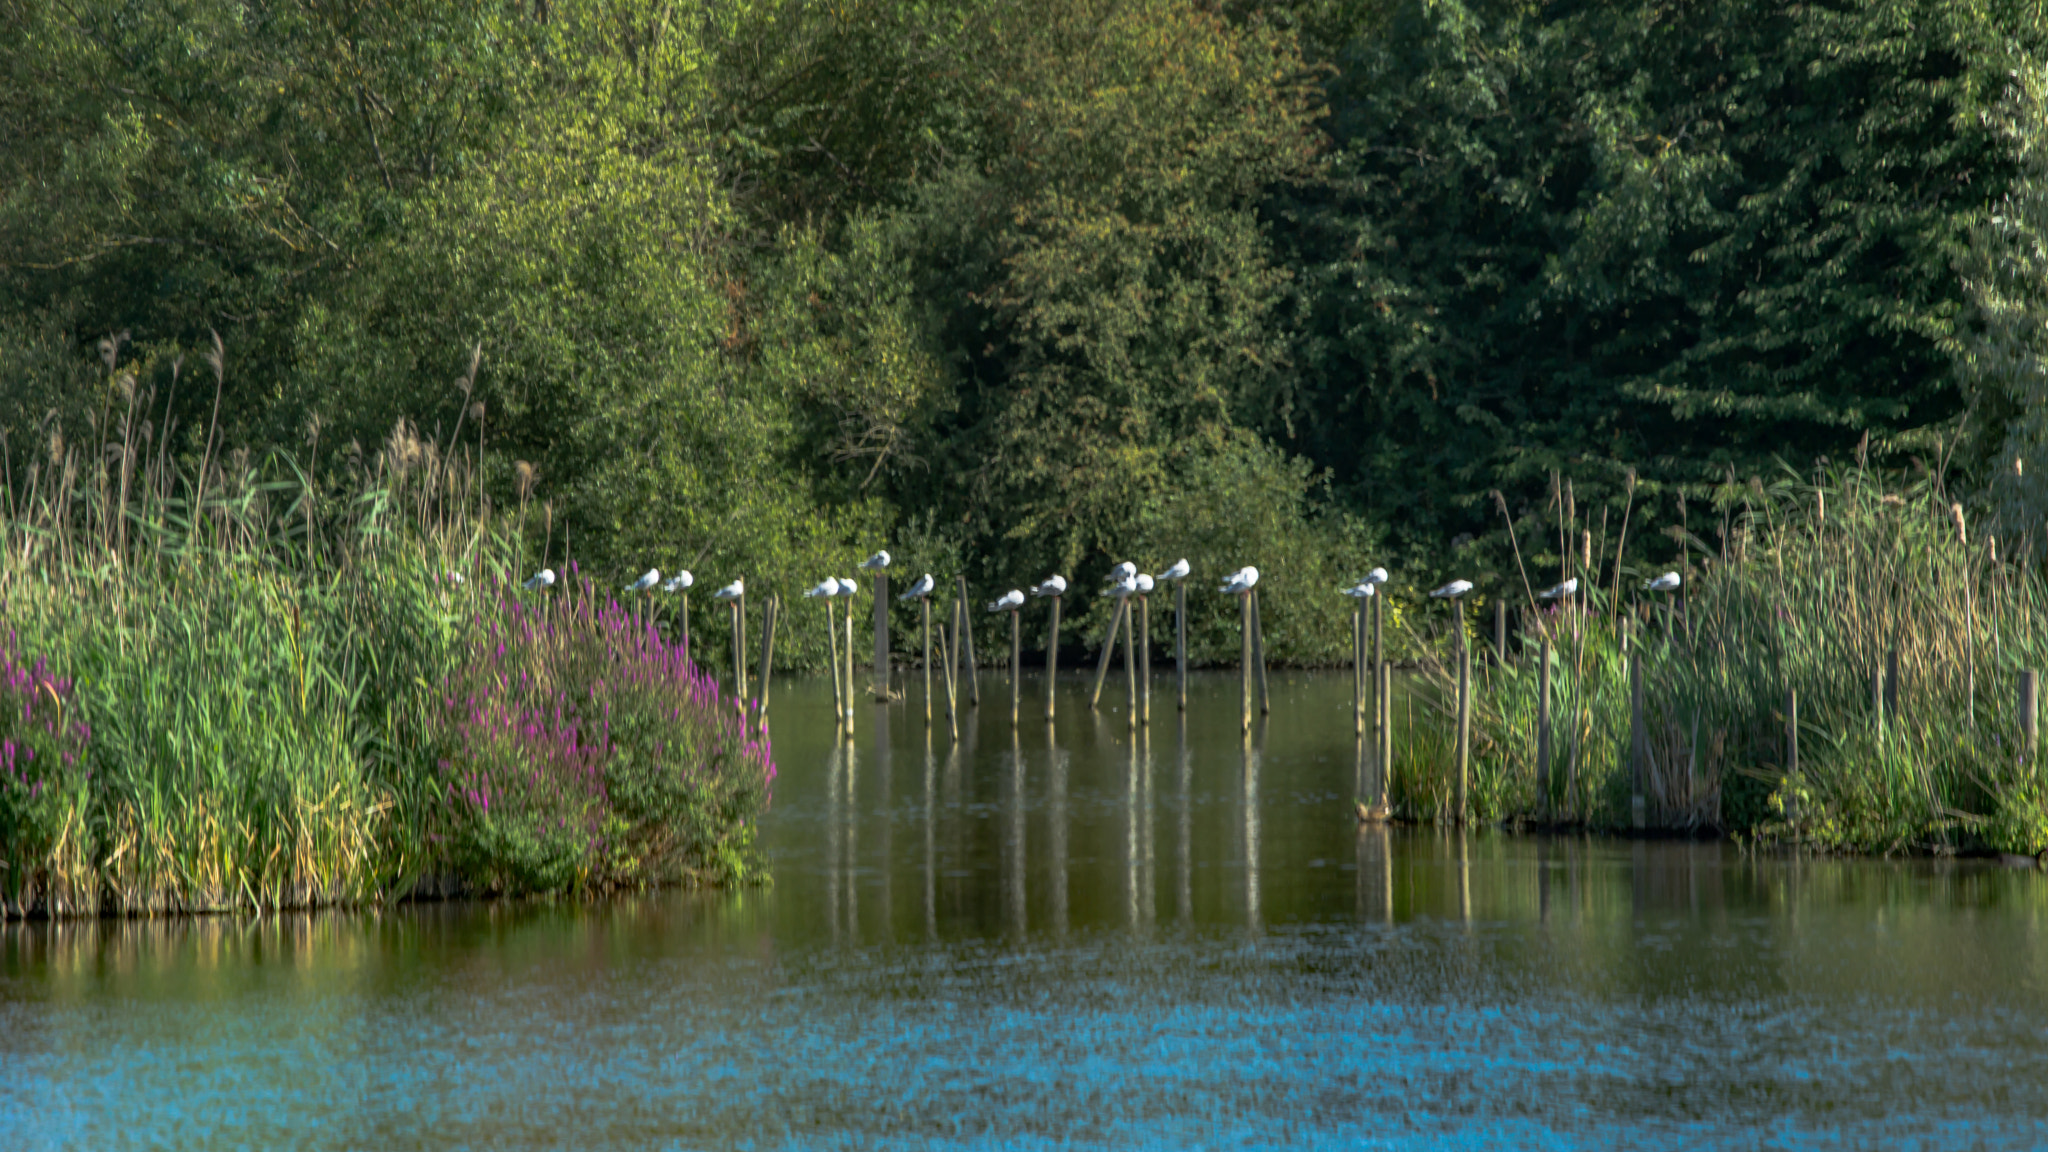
x,y
1406,987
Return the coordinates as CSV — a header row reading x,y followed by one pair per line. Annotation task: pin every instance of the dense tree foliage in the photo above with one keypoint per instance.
x,y
752,286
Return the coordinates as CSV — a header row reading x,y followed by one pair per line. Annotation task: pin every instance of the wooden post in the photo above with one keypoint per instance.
x,y
1130,667
1500,633
1381,688
967,640
1637,744
768,646
1259,656
924,615
1016,666
1543,729
739,656
832,640
881,669
1244,628
1180,640
1116,619
739,645
1386,737
1145,660
1464,748
686,627
1052,657
1877,700
2030,712
849,670
950,646
1358,671
1792,755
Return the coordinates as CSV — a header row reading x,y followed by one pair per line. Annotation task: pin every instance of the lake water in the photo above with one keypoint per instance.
x,y
1074,938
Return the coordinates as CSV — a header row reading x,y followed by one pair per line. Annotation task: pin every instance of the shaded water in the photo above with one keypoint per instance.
x,y
1075,938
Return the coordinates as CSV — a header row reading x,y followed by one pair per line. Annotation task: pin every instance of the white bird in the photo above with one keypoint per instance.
x,y
849,587
919,590
680,582
647,580
1358,591
1561,591
1145,584
1054,585
1453,590
541,580
828,587
732,591
1240,581
456,579
1009,602
1122,572
1126,587
1668,582
1179,571
1376,576
877,561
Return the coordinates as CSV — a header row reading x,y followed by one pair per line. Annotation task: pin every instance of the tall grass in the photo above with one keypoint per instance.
x,y
234,683
1813,588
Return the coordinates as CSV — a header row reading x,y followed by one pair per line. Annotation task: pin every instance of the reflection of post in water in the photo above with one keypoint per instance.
x,y
1252,757
835,817
1056,795
1184,901
1147,880
1131,832
1464,878
1375,872
1014,842
1543,880
931,891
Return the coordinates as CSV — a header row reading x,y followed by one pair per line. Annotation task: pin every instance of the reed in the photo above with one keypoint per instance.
x,y
247,688
1884,586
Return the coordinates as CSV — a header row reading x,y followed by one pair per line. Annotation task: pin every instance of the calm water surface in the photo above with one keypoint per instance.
x,y
1074,938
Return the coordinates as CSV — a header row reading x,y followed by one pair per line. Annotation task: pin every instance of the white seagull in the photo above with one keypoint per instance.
x,y
1128,586
1560,591
1376,576
1009,602
919,590
828,587
877,561
541,580
647,580
1668,582
732,591
1240,581
1179,571
1145,584
1453,590
680,582
1358,591
1122,572
848,587
1051,586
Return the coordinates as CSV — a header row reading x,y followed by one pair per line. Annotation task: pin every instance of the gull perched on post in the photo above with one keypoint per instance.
x,y
878,561
1122,572
1668,582
732,591
1560,591
1179,571
1452,591
1376,576
848,586
680,582
540,581
647,581
919,590
1240,581
1008,602
1124,587
1145,584
827,588
1358,591
1054,585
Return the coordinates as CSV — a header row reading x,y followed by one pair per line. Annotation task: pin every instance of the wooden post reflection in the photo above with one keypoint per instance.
x,y
1056,802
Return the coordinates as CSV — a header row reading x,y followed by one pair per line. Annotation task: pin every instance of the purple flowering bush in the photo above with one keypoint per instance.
x,y
580,750
44,842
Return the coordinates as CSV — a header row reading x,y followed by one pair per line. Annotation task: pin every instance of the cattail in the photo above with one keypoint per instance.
x,y
1820,505
1571,505
1756,486
524,477
1586,550
1955,513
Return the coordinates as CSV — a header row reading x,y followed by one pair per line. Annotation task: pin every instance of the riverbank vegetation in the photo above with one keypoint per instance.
x,y
265,694
1903,638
